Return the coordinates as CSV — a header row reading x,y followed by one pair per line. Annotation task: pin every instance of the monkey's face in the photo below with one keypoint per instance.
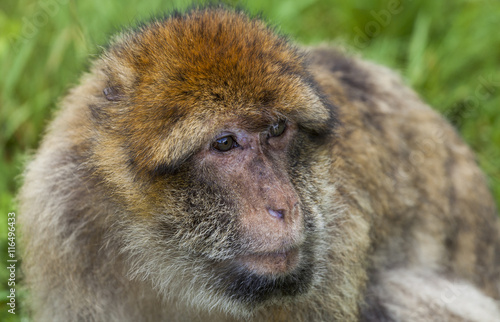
x,y
245,214
210,145
249,171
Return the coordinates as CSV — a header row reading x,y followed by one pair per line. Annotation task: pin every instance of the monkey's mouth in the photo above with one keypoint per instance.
x,y
272,274
280,262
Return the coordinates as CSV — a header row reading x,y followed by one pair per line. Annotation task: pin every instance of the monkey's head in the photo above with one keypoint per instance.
x,y
206,127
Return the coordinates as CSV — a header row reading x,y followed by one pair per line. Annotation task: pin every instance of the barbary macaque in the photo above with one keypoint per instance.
x,y
207,169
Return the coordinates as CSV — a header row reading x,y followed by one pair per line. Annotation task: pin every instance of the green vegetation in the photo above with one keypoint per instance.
x,y
448,50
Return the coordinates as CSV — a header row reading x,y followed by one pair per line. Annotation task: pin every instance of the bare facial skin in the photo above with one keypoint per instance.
x,y
207,169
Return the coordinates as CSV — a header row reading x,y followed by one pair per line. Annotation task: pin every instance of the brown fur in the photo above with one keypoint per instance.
x,y
129,215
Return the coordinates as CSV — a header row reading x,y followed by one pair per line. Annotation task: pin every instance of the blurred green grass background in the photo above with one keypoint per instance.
x,y
449,51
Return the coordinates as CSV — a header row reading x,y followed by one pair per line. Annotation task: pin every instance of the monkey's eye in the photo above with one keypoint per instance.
x,y
277,129
225,144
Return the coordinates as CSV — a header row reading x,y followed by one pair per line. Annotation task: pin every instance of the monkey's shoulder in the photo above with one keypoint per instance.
x,y
388,131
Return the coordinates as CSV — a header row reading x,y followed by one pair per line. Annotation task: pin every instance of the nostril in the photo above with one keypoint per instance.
x,y
280,213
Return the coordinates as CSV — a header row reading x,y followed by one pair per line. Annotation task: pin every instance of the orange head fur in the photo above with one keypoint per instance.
x,y
168,80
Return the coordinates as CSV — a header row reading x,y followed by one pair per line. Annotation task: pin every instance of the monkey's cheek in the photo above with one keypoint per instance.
x,y
271,263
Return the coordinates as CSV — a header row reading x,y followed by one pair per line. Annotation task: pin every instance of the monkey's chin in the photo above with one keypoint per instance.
x,y
274,263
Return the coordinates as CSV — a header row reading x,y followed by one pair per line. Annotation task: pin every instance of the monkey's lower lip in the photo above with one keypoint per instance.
x,y
271,263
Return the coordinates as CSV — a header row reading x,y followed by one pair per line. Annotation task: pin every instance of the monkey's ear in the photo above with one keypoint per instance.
x,y
119,74
112,93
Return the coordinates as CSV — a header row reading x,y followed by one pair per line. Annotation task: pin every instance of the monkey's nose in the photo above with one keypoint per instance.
x,y
280,213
